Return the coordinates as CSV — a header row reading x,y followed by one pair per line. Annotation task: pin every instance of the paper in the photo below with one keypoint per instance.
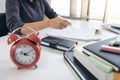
x,y
115,25
85,34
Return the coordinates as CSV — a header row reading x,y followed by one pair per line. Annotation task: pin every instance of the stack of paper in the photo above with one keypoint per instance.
x,y
85,34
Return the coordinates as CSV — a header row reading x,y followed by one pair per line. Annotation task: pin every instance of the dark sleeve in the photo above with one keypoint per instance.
x,y
49,12
13,19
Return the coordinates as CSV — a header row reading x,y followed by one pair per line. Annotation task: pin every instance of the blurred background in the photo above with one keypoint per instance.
x,y
103,11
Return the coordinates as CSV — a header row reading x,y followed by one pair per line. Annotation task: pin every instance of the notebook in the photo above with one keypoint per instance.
x,y
58,43
99,69
80,70
110,58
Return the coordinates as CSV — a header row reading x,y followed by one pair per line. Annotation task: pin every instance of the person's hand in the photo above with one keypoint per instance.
x,y
58,23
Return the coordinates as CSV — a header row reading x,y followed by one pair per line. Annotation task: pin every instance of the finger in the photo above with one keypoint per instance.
x,y
67,22
61,27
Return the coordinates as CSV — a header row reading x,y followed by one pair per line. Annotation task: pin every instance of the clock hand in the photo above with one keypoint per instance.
x,y
29,51
21,52
24,53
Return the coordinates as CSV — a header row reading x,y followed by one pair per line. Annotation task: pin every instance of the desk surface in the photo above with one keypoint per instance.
x,y
51,66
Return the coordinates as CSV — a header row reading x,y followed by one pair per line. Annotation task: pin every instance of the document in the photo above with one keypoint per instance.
x,y
85,34
114,27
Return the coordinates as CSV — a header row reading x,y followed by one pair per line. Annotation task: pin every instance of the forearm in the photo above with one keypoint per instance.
x,y
39,25
57,23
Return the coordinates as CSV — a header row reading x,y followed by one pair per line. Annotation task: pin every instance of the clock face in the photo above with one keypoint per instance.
x,y
24,54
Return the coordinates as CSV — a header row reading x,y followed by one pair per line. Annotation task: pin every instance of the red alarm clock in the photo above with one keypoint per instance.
x,y
25,50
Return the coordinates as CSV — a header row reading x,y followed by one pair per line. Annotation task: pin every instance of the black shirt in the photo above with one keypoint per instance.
x,y
19,12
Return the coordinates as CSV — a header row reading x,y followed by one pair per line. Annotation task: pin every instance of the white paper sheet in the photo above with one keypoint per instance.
x,y
85,34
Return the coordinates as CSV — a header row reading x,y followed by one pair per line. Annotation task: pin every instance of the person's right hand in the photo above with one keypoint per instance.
x,y
58,23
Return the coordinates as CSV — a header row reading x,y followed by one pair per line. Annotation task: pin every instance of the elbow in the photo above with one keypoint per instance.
x,y
14,26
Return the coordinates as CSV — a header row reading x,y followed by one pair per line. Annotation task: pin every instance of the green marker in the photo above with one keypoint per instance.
x,y
104,67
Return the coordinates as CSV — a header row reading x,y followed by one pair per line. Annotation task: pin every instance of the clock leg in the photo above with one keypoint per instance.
x,y
19,68
35,66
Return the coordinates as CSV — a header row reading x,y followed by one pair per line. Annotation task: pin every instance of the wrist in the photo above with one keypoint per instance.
x,y
49,23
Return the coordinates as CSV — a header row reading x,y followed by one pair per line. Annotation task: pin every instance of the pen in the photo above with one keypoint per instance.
x,y
71,26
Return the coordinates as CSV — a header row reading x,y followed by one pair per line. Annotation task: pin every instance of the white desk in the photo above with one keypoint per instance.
x,y
51,65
